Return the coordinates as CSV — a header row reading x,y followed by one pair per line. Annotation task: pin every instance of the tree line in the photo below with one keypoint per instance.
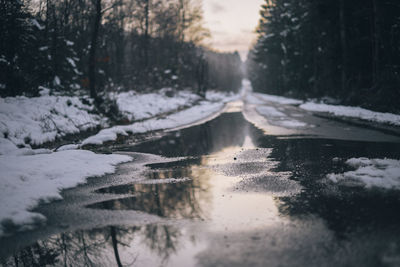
x,y
95,46
346,50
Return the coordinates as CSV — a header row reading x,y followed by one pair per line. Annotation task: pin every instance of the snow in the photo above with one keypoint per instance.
x,y
278,118
136,106
37,25
353,112
380,173
278,99
196,113
71,61
27,180
258,98
34,121
216,96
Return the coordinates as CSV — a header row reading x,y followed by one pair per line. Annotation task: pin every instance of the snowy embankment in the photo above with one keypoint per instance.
x,y
131,107
26,180
199,112
136,106
34,121
380,173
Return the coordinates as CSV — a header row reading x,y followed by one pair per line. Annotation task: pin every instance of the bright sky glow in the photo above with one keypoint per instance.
x,y
232,23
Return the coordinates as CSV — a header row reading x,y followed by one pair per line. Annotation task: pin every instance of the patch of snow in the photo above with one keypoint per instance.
x,y
270,111
44,91
68,147
37,25
57,80
217,96
278,118
278,99
292,124
165,181
196,113
353,112
27,180
381,173
71,61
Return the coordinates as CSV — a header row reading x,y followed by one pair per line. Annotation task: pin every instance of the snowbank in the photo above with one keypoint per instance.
x,y
198,112
382,173
25,121
26,180
353,112
136,106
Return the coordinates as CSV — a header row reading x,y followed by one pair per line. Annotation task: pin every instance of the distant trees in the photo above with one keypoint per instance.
x,y
349,50
98,45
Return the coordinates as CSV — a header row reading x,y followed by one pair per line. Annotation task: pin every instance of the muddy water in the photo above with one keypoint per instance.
x,y
223,194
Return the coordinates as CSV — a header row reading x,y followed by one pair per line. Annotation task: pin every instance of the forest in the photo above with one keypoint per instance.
x,y
97,46
345,52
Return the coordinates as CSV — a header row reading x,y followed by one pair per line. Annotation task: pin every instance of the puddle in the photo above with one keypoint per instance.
x,y
239,198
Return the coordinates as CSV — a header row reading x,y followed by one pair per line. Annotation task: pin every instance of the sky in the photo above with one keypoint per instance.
x,y
232,24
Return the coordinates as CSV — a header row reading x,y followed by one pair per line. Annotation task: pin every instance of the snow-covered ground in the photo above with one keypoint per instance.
x,y
381,173
353,112
34,121
26,180
136,106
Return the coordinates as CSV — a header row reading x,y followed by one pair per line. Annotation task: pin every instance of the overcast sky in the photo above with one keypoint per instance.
x,y
232,23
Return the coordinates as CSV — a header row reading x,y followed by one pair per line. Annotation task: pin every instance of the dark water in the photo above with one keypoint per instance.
x,y
237,198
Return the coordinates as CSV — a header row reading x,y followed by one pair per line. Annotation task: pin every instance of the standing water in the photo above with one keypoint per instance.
x,y
222,193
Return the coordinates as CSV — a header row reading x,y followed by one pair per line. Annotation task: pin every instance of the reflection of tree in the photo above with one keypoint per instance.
x,y
162,239
98,247
178,200
81,248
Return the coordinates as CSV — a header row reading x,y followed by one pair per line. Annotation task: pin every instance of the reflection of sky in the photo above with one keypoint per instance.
x,y
232,23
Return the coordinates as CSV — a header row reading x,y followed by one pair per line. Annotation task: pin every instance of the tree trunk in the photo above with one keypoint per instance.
x,y
343,44
146,34
93,49
376,44
115,245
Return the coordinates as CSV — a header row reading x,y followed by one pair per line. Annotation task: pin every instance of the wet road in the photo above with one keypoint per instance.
x,y
238,190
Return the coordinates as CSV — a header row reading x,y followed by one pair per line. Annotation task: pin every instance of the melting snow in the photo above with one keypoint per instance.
x,y
382,173
354,112
26,180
